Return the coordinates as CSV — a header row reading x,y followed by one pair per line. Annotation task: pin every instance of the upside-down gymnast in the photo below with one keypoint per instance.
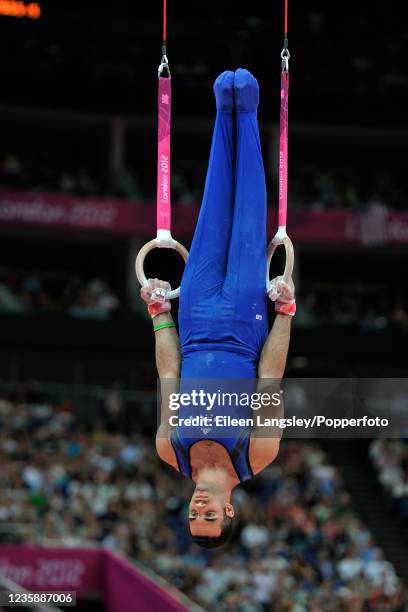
x,y
223,323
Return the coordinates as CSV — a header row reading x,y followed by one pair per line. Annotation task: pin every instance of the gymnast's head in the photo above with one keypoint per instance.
x,y
210,516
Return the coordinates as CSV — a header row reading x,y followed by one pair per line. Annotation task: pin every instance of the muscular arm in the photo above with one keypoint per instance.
x,y
167,360
168,363
272,363
167,348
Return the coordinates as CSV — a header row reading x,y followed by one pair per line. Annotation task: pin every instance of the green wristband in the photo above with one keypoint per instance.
x,y
163,325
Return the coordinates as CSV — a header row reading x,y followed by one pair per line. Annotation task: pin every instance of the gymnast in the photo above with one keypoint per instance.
x,y
222,319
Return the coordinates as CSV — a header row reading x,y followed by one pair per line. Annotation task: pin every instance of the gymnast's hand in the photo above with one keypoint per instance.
x,y
283,294
155,296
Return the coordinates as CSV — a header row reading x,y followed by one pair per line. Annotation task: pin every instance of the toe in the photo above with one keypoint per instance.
x,y
246,90
224,91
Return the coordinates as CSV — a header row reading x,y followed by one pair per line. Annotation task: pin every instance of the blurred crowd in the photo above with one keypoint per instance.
x,y
367,307
45,172
309,188
298,545
390,459
47,292
378,191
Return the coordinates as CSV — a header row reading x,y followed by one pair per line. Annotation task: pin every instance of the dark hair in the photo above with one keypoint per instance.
x,y
217,541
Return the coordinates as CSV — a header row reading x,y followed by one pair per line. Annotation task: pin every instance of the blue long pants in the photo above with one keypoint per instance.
x,y
222,312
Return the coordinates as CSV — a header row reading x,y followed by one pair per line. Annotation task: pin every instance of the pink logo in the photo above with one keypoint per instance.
x,y
165,99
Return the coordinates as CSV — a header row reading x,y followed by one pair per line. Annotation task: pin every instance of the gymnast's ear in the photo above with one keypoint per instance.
x,y
229,510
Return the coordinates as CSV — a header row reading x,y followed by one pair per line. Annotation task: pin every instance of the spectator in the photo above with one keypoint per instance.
x,y
298,547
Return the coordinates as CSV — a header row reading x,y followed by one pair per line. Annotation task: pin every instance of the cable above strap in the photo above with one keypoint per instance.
x,y
164,65
164,22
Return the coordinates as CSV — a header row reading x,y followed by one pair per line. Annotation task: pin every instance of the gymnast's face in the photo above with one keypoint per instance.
x,y
207,513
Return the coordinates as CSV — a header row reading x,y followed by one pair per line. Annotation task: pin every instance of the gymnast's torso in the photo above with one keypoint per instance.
x,y
227,423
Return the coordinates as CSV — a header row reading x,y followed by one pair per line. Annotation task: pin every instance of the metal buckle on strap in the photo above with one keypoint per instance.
x,y
164,66
285,55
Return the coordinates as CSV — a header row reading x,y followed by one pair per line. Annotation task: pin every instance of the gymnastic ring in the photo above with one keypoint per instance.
x,y
158,244
281,238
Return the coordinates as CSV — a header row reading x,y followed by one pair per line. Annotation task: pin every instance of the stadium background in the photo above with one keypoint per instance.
x,y
325,527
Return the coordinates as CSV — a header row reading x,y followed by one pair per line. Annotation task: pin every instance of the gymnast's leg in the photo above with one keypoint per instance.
x,y
205,270
244,287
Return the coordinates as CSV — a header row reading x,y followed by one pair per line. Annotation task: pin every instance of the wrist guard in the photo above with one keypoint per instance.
x,y
287,308
158,307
